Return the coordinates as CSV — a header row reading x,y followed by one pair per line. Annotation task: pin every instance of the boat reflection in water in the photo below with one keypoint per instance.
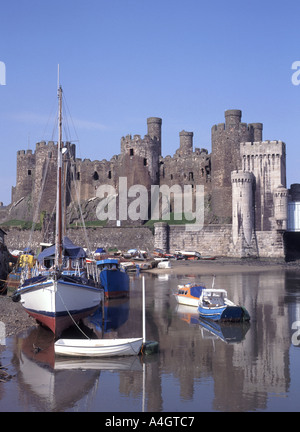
x,y
112,315
52,383
226,331
48,384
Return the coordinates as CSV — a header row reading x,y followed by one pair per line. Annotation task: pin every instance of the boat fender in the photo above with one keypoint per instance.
x,y
16,297
149,347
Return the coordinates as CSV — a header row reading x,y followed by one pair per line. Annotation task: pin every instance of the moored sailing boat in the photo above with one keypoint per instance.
x,y
58,296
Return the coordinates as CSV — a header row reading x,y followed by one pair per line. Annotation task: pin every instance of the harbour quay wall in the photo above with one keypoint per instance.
x,y
211,240
122,238
217,240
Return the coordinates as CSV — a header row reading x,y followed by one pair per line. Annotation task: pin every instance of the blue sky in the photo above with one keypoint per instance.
x,y
122,61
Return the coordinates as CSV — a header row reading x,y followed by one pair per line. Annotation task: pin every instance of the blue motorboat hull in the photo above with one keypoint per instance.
x,y
115,283
224,313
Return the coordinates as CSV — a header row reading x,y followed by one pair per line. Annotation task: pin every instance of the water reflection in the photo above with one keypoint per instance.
x,y
52,383
201,366
243,374
41,384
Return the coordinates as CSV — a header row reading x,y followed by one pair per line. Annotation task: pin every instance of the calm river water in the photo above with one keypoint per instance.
x,y
229,368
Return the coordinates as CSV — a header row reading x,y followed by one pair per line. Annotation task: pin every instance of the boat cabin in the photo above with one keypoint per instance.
x,y
109,264
70,266
74,259
190,290
214,297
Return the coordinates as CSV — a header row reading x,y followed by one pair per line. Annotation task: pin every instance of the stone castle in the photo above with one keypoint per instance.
x,y
244,180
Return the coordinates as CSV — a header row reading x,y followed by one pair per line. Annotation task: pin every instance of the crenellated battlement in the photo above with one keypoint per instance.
x,y
240,176
262,148
254,129
43,146
221,127
261,143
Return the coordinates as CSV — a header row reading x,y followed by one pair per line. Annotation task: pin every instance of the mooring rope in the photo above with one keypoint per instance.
x,y
71,316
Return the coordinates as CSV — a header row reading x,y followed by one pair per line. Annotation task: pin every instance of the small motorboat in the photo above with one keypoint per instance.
x,y
113,278
164,265
189,294
98,347
214,305
190,255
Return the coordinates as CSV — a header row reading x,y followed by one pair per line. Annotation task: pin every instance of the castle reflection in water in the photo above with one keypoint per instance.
x,y
227,368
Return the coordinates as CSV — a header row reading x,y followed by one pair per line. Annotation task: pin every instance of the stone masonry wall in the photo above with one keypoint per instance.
x,y
211,240
120,238
216,240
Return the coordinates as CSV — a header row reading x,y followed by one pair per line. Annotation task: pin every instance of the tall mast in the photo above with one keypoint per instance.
x,y
59,246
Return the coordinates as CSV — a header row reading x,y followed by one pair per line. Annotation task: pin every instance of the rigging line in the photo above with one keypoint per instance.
x,y
50,221
79,206
35,216
55,127
71,315
66,126
48,121
68,112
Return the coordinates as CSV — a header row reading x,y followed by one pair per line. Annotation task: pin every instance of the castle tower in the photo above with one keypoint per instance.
x,y
45,165
25,175
233,118
36,180
140,157
186,143
242,205
267,161
154,130
225,158
281,207
257,131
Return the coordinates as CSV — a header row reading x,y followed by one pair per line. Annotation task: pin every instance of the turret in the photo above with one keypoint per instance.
x,y
233,118
280,197
25,174
257,131
186,143
154,130
242,205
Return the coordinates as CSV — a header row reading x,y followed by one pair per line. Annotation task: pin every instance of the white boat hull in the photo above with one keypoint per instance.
x,y
98,347
57,304
164,265
188,301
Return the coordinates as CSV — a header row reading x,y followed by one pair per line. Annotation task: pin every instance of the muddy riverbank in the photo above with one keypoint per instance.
x,y
226,266
14,316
